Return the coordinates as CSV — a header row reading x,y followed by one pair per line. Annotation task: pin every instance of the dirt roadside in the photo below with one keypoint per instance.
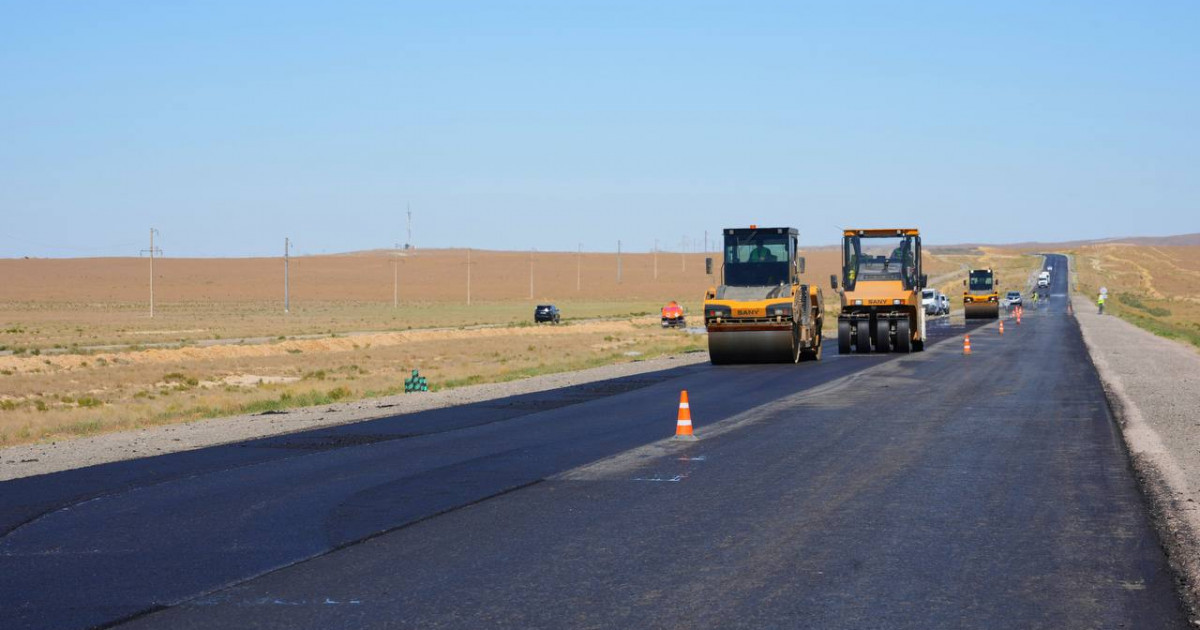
x,y
1153,388
38,459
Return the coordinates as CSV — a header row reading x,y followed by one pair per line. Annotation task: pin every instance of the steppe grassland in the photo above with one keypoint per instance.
x,y
87,358
1155,287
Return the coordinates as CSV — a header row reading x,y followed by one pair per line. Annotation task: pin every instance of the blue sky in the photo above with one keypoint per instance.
x,y
517,125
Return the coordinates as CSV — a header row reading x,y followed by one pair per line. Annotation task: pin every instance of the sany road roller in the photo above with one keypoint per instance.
x,y
881,291
761,312
981,300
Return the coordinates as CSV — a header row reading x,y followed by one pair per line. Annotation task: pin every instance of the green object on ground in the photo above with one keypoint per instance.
x,y
415,383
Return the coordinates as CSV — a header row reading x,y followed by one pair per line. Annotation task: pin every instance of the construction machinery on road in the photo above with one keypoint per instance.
x,y
981,300
881,291
761,312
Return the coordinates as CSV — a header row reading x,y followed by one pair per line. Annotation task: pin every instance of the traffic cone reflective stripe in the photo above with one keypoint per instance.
x,y
967,344
683,421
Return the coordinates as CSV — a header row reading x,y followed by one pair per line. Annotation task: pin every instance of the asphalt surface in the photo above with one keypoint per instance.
x,y
931,490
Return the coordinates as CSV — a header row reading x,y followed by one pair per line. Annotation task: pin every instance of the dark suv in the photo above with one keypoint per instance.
x,y
545,313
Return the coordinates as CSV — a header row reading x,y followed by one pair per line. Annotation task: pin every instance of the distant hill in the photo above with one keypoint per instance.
x,y
1179,240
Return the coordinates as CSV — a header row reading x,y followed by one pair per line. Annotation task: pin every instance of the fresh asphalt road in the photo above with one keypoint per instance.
x,y
931,490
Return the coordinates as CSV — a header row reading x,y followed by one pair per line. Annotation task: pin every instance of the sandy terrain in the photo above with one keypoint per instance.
x,y
1156,287
79,354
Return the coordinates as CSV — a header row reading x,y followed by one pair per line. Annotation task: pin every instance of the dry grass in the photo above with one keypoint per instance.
x,y
70,395
86,358
1155,287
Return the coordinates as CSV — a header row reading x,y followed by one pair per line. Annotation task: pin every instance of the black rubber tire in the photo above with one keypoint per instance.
x,y
883,336
843,337
903,336
813,353
863,333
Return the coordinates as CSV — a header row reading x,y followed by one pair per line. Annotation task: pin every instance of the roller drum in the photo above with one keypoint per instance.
x,y
982,310
751,346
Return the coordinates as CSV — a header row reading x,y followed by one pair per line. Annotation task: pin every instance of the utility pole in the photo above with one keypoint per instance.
x,y
656,259
531,274
618,261
579,269
705,241
408,245
152,251
468,276
396,276
287,245
683,254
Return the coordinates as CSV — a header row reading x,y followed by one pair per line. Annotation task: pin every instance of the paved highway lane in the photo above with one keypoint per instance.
x,y
931,490
96,545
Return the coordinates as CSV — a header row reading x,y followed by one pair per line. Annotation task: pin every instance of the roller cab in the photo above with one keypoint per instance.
x,y
880,291
761,312
981,300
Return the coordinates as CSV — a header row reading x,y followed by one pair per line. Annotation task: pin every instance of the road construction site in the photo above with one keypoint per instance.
x,y
934,489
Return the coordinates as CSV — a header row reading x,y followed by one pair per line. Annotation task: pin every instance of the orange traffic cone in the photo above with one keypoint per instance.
x,y
1018,316
966,344
683,422
1002,327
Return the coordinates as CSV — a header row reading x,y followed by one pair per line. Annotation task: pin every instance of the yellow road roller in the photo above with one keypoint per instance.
x,y
761,312
981,300
881,291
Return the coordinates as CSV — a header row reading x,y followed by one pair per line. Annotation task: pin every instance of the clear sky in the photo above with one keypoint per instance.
x,y
546,124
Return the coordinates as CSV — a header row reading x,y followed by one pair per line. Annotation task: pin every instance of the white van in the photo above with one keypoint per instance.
x,y
1043,279
935,302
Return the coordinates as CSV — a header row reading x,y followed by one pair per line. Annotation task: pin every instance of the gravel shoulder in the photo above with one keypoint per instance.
x,y
1153,387
38,459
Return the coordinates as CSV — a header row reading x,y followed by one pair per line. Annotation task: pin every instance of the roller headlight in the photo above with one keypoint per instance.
x,y
714,311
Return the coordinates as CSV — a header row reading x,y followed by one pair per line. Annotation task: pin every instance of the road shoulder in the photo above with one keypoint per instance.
x,y
1153,388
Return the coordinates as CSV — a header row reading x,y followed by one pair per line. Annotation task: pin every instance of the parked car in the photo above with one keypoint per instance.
x,y
1012,298
935,302
546,313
